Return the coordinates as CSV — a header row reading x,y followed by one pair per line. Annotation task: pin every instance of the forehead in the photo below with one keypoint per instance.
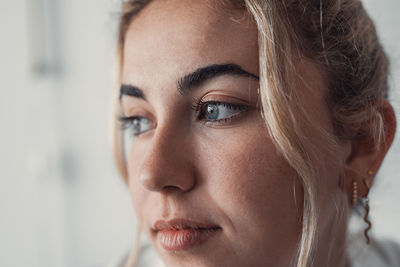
x,y
169,38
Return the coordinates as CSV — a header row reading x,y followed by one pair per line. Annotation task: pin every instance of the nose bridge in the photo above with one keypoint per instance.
x,y
166,163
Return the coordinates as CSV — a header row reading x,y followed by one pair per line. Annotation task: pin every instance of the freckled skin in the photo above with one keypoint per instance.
x,y
230,175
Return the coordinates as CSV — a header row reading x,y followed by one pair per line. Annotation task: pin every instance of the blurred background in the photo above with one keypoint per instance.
x,y
62,202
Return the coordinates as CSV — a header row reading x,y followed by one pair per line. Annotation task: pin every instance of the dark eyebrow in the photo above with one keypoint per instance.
x,y
194,79
203,74
131,90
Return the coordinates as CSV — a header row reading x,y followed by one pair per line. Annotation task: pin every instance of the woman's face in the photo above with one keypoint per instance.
x,y
208,186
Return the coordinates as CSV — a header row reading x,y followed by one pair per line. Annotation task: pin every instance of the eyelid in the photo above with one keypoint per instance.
x,y
221,98
225,98
130,106
137,111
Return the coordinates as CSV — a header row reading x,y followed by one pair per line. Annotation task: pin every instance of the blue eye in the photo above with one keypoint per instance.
x,y
135,125
211,111
219,111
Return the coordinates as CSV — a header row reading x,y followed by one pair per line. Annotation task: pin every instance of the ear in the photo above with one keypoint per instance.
x,y
367,156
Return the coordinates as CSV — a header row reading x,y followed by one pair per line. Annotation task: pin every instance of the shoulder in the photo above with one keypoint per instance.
x,y
148,257
382,253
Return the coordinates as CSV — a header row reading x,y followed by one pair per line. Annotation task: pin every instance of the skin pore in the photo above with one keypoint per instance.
x,y
200,149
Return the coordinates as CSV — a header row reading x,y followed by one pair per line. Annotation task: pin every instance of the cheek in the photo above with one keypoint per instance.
x,y
140,196
255,188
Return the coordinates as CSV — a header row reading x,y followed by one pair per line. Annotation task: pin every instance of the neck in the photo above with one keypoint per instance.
x,y
331,246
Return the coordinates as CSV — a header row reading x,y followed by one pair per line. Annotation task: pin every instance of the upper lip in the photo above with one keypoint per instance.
x,y
179,224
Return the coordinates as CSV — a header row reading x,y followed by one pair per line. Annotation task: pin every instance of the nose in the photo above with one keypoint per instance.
x,y
166,165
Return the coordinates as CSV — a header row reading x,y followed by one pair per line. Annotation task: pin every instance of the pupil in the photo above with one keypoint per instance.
x,y
136,124
212,111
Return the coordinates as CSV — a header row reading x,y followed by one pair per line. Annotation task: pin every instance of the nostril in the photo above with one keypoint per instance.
x,y
171,188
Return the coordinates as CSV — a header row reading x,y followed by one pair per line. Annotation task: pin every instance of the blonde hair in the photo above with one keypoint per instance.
x,y
336,35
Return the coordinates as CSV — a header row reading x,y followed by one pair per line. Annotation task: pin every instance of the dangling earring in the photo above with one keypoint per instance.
x,y
364,202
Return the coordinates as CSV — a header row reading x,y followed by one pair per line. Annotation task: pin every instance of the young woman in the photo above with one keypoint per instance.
x,y
248,130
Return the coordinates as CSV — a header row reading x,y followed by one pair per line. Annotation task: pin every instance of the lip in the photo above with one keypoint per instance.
x,y
182,234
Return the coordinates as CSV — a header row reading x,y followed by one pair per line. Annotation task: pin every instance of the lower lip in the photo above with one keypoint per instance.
x,y
182,239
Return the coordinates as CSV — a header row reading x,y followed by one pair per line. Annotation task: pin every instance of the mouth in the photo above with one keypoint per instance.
x,y
180,234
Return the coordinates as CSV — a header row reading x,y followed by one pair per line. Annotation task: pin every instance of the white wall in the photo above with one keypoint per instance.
x,y
385,210
61,200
